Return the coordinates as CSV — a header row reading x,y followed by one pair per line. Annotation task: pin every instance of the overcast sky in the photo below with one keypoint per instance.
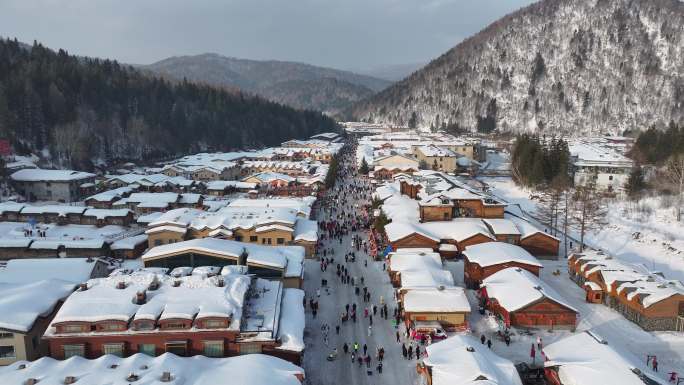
x,y
346,34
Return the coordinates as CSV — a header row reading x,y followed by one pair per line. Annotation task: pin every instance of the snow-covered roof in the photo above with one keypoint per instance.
x,y
289,258
306,230
21,303
223,184
527,229
128,243
436,300
494,253
582,360
401,208
515,288
291,328
11,207
61,210
589,153
42,175
109,195
420,278
73,270
435,151
267,177
250,369
159,229
406,259
302,205
107,213
54,244
457,229
502,226
195,297
463,360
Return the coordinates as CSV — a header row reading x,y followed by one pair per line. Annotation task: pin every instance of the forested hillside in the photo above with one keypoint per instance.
x,y
80,111
557,66
295,84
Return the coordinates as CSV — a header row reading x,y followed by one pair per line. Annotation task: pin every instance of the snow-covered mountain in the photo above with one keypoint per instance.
x,y
571,66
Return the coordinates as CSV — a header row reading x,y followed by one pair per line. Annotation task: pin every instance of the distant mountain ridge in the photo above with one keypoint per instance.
x,y
570,67
299,85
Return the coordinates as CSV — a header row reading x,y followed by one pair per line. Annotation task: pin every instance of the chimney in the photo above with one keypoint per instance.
x,y
121,285
176,283
68,380
220,282
154,285
140,297
132,377
166,377
21,366
90,260
83,286
31,381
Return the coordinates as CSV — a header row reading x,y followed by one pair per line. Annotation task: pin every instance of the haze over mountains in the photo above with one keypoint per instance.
x,y
557,66
298,85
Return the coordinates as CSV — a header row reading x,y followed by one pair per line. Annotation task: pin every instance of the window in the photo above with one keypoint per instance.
x,y
213,348
238,238
250,349
178,348
73,350
157,242
252,238
263,241
213,324
268,240
72,328
147,325
6,335
176,325
108,327
280,241
116,349
597,296
149,349
610,177
7,352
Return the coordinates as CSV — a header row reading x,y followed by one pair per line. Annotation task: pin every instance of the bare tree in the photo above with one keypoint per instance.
x,y
675,173
588,211
552,203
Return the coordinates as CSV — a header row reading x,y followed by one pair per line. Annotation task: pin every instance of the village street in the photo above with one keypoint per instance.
x,y
320,371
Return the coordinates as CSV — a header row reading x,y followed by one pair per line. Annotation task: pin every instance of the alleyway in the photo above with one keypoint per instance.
x,y
320,371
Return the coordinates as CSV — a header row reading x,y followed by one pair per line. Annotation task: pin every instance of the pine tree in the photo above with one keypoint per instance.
x,y
364,167
635,184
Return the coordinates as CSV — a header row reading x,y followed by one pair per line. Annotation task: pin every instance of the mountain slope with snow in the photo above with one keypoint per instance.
x,y
571,66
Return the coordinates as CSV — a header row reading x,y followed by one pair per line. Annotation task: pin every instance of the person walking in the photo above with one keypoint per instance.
x,y
345,348
410,352
398,338
353,357
370,330
483,339
365,349
404,351
489,343
417,352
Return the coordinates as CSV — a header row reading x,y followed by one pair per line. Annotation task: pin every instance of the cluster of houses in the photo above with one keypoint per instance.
x,y
202,256
641,296
433,216
391,153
